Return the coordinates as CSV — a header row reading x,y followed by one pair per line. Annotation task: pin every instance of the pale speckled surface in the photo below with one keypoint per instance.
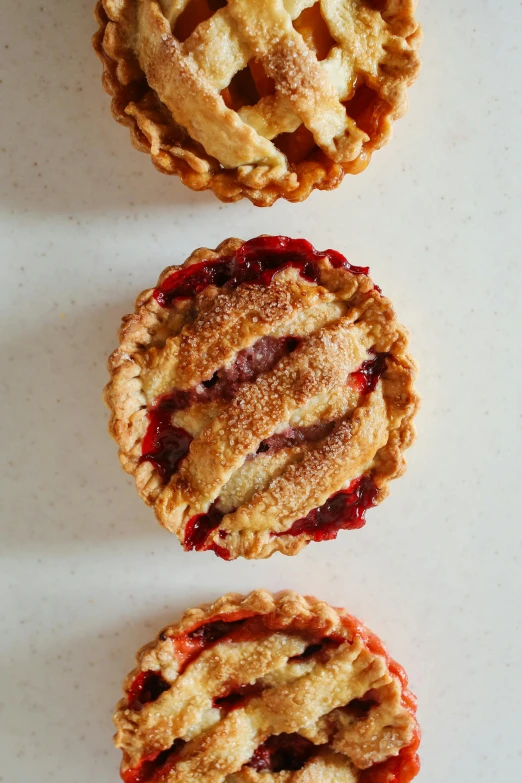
x,y
87,576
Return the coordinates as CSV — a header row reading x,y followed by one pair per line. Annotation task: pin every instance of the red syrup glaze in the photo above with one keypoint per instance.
x,y
282,752
342,511
147,687
257,261
165,445
365,379
200,527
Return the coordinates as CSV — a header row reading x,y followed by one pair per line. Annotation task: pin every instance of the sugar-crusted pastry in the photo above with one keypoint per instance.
x,y
262,396
267,688
258,99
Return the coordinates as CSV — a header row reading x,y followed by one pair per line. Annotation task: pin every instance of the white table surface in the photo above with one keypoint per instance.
x,y
87,575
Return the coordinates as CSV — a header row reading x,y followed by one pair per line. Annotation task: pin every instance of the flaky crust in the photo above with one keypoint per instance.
x,y
305,664
337,323
163,90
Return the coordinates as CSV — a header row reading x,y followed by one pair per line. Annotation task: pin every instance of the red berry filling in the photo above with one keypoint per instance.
x,y
295,436
342,511
257,261
365,379
200,527
148,686
165,445
237,698
154,769
189,646
282,752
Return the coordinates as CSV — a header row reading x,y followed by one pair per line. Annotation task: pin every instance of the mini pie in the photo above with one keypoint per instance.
x,y
267,689
262,397
259,99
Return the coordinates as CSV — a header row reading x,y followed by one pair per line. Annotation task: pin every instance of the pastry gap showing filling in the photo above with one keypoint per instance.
x,y
190,645
154,769
283,752
248,86
200,527
315,32
164,444
148,686
365,379
237,697
255,262
296,436
195,13
368,110
345,510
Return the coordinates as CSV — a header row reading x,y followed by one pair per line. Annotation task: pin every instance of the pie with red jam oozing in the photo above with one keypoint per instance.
x,y
262,397
263,99
267,688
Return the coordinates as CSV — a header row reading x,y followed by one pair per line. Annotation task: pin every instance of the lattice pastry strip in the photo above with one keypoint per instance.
x,y
262,397
246,102
280,687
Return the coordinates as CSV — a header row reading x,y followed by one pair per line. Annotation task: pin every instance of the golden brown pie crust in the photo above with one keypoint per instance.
x,y
231,680
336,324
304,119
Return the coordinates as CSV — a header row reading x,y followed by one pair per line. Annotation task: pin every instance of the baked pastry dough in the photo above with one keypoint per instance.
x,y
267,689
262,397
258,99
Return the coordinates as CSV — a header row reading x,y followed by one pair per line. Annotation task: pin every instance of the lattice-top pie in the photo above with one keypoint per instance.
x,y
267,689
262,397
259,99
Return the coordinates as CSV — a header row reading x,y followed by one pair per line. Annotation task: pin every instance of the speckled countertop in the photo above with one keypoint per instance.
x,y
87,576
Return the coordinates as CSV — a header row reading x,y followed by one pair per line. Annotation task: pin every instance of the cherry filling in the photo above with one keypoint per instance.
x,y
190,645
257,261
154,769
200,527
295,436
282,752
165,445
148,686
249,363
343,511
365,379
237,697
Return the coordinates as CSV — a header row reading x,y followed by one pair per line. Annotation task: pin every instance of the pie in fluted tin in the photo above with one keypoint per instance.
x,y
262,396
267,689
262,99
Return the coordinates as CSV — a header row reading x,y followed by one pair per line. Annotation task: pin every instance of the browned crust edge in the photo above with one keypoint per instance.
x,y
121,390
321,174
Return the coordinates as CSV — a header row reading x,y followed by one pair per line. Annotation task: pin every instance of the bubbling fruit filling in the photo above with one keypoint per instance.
x,y
154,769
147,687
255,262
344,510
164,444
270,665
263,421
251,84
282,752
